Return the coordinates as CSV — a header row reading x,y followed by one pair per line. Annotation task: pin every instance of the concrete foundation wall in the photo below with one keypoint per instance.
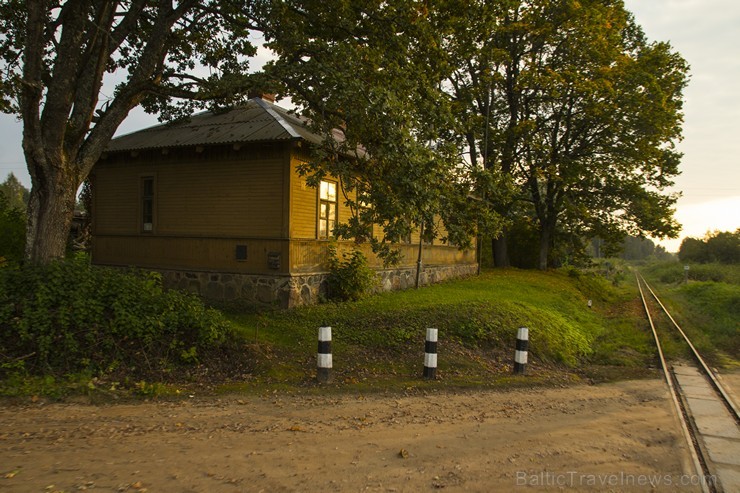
x,y
296,290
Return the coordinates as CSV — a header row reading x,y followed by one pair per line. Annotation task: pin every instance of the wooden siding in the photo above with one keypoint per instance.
x,y
116,201
310,255
205,204
237,198
303,204
188,253
208,194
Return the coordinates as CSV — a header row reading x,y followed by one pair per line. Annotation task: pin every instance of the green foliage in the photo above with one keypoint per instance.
x,y
350,278
15,193
523,234
573,102
635,248
715,308
383,335
707,308
69,316
674,273
12,231
720,246
149,390
379,85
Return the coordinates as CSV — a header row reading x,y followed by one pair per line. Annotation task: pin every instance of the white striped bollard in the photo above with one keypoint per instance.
x,y
430,355
323,358
520,356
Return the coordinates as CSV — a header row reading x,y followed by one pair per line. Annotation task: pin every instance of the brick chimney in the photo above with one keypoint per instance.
x,y
270,98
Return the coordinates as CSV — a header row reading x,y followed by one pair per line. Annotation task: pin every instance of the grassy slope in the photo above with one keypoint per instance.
x,y
707,308
379,342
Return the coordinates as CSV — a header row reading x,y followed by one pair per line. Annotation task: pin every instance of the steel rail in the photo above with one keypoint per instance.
x,y
681,413
718,387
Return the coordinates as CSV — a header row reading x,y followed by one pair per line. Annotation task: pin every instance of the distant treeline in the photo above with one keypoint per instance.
x,y
720,246
631,248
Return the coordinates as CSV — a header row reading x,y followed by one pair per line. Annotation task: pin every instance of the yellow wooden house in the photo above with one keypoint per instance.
x,y
216,204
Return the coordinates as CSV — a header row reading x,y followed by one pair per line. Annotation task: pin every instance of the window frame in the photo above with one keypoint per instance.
x,y
147,204
330,225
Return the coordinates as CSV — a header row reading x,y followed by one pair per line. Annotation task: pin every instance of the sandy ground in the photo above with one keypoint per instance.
x,y
610,437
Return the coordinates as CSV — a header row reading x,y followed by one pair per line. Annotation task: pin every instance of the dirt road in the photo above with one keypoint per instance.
x,y
611,437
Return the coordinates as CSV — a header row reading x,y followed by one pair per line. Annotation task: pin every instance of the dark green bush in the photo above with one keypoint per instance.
x,y
69,316
350,278
12,231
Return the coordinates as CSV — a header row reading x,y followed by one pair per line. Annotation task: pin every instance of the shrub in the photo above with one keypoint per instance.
x,y
69,316
12,231
350,278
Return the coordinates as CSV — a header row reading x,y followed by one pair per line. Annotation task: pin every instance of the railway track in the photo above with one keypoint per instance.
x,y
709,417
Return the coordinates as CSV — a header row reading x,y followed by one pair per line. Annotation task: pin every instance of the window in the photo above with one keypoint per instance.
x,y
327,208
147,204
241,252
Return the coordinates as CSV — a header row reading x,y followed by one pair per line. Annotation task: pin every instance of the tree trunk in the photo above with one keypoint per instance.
x,y
544,248
418,260
500,249
50,212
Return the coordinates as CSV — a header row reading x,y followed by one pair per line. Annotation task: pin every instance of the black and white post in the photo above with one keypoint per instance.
x,y
520,356
323,358
430,355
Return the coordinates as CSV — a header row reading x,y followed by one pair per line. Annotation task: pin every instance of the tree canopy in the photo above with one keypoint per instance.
x,y
719,246
55,57
558,115
570,101
371,74
16,194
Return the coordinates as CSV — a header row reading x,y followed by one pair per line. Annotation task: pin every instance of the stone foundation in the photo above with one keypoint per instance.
x,y
297,290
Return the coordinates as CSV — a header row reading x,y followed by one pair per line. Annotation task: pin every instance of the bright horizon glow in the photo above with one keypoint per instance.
x,y
705,217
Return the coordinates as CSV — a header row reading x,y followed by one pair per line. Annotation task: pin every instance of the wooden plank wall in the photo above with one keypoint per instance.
x,y
205,204
208,202
308,254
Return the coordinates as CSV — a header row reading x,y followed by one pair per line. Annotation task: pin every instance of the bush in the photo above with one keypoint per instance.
x,y
69,316
12,232
350,278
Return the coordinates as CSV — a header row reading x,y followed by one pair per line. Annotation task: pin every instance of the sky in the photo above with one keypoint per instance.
x,y
706,33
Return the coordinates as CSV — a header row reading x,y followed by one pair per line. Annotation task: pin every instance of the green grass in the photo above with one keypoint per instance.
x,y
707,308
378,342
673,273
381,339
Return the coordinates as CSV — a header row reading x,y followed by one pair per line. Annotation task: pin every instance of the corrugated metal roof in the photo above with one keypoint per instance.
x,y
257,121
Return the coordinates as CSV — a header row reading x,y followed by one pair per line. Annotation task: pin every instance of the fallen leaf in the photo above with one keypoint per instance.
x,y
404,454
11,474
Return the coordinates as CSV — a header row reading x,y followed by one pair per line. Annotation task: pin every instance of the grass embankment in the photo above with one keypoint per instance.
x,y
379,342
100,340
707,307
